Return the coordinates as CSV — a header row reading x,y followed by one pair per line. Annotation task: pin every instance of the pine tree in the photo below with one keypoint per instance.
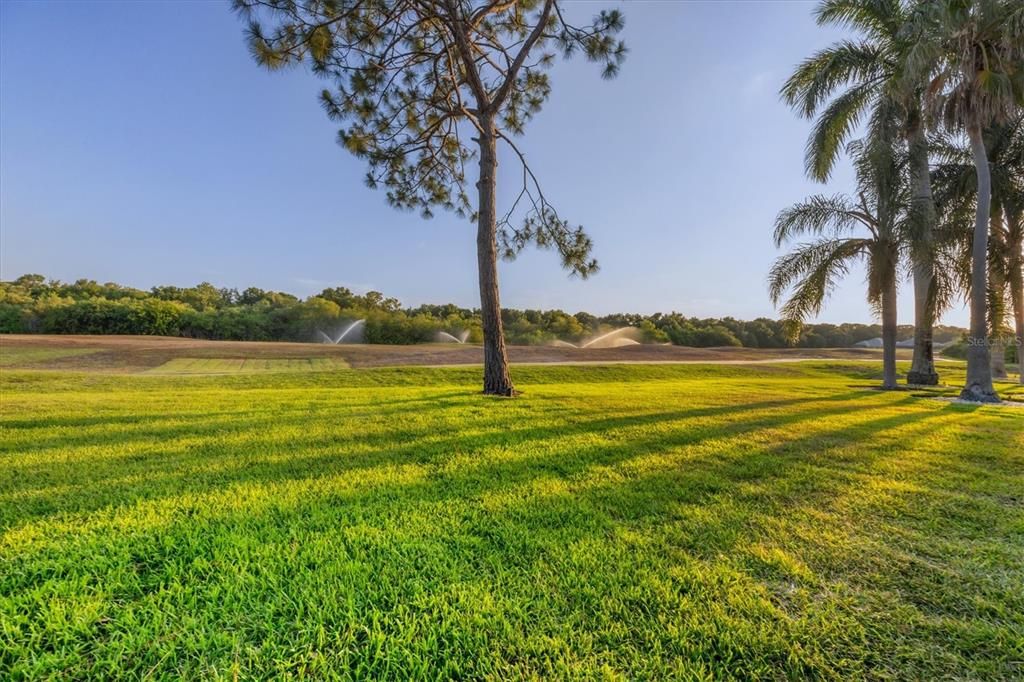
x,y
424,87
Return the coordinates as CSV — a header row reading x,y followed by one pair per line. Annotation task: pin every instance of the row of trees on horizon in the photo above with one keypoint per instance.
x,y
33,304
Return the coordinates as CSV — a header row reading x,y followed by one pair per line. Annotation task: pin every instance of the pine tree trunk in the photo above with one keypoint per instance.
x,y
497,380
922,367
889,323
979,364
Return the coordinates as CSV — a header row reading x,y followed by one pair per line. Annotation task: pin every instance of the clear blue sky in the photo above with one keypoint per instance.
x,y
140,144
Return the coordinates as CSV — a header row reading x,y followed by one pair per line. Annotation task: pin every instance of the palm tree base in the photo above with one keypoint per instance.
x,y
922,378
503,392
977,394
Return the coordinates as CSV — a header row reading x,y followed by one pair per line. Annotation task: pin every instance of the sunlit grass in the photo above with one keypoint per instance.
x,y
624,521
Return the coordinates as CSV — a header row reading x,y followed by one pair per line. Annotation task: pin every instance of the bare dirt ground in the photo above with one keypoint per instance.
x,y
141,353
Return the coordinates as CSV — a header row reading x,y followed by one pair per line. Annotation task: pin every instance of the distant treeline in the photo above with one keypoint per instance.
x,y
32,304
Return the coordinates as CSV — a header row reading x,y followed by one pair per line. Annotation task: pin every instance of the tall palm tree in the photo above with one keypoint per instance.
x,y
955,183
974,51
1005,146
869,228
870,74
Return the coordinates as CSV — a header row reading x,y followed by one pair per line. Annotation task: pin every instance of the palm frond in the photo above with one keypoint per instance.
x,y
817,78
880,18
948,282
818,215
812,270
945,147
833,128
972,53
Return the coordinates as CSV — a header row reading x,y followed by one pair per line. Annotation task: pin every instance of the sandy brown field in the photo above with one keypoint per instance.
x,y
144,353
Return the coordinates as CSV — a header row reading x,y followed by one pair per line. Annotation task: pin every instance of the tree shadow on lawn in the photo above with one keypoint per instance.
x,y
206,423
652,492
727,510
328,399
498,531
42,489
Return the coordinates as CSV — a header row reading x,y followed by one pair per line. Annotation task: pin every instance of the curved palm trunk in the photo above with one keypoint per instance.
x,y
497,380
889,332
979,364
922,367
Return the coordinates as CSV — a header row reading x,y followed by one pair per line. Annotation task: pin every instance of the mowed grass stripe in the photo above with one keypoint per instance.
x,y
16,355
218,366
634,522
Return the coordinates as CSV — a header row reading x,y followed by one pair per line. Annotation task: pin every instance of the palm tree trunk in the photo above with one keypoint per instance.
x,y
998,358
1017,292
997,295
1016,277
979,364
497,380
922,367
889,323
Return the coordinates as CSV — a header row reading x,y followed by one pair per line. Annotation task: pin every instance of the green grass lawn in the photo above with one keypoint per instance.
x,y
689,522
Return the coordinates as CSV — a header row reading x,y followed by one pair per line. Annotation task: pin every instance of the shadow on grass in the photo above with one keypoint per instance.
x,y
533,493
206,423
43,488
